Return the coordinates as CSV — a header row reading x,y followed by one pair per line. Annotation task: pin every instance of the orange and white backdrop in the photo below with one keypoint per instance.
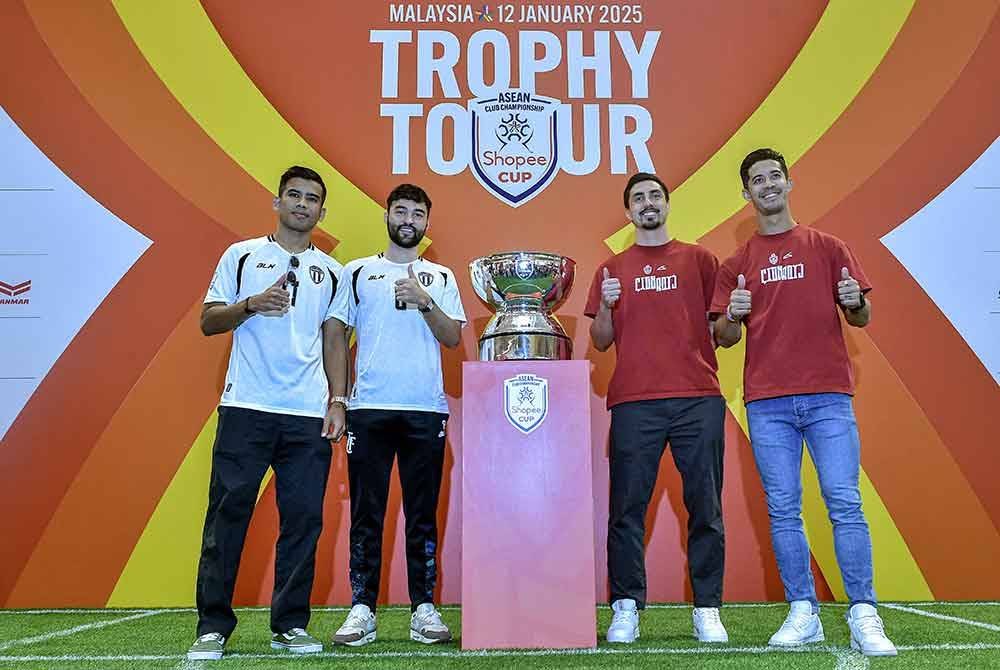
x,y
139,139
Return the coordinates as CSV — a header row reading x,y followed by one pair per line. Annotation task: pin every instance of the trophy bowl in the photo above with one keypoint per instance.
x,y
524,287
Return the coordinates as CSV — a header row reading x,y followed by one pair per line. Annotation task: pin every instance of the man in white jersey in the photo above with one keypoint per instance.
x,y
275,294
402,307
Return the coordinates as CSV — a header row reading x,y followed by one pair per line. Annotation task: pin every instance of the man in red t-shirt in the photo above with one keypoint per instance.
x,y
789,284
651,301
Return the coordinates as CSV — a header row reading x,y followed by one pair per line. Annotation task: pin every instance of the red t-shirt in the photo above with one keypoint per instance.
x,y
662,341
795,343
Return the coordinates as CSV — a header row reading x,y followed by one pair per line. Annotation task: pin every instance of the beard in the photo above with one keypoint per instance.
x,y
651,224
406,243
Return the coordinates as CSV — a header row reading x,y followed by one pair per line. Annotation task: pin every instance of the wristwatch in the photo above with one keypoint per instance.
x,y
428,308
339,400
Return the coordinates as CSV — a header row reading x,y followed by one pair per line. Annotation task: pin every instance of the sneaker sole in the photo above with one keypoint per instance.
x,y
204,655
815,638
301,649
360,642
712,640
417,637
610,641
857,647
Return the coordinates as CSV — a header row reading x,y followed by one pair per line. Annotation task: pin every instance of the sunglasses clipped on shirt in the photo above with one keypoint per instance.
x,y
291,278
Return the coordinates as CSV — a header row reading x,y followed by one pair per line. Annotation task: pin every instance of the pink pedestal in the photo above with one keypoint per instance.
x,y
527,506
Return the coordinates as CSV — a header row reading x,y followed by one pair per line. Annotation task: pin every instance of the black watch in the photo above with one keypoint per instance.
x,y
428,308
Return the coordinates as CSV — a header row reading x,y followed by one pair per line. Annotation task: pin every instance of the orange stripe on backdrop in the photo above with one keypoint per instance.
x,y
133,461
86,385
98,54
932,356
913,77
109,70
931,351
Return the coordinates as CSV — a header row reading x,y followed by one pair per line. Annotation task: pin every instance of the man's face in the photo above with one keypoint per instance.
x,y
299,206
407,222
767,187
647,205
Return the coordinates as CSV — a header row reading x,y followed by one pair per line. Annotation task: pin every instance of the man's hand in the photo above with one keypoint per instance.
x,y
274,301
410,291
611,290
739,300
848,290
335,422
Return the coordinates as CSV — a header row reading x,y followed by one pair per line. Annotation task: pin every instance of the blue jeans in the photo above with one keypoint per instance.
x,y
826,422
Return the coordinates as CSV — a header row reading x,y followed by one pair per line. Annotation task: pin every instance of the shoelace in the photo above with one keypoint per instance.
x,y
432,618
355,620
870,625
798,621
711,616
295,632
623,616
210,636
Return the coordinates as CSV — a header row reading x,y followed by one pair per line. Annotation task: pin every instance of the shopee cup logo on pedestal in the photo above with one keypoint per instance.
x,y
515,140
526,401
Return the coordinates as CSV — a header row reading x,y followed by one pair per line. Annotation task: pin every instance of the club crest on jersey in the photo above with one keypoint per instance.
x,y
515,152
425,278
526,401
316,274
648,269
773,258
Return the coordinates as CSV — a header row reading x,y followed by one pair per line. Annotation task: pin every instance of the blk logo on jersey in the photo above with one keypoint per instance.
x,y
425,278
515,151
316,274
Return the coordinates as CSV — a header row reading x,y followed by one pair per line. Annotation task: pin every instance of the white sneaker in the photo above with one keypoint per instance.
x,y
867,633
624,622
708,626
426,625
801,626
358,628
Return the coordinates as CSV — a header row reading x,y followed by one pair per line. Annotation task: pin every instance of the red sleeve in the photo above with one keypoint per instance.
x,y
842,257
709,270
725,282
594,296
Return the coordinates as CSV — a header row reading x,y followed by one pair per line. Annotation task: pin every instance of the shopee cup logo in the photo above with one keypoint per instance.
x,y
494,121
514,149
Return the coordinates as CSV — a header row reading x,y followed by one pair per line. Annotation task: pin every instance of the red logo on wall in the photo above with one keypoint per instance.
x,y
9,293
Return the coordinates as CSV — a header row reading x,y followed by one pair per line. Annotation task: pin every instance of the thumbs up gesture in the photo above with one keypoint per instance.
x,y
611,290
739,300
848,290
409,290
273,301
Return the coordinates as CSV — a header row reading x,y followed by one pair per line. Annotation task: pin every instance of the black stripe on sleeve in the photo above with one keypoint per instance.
x,y
444,276
239,271
354,284
333,281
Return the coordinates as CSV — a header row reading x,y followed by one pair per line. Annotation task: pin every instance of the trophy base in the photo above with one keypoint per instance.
x,y
525,347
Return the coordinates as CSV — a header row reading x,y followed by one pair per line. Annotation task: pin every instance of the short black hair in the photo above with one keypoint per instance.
x,y
756,156
643,176
408,192
299,172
